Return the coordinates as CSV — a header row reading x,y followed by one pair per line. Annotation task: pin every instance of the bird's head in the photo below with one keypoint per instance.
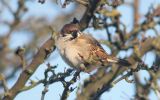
x,y
70,30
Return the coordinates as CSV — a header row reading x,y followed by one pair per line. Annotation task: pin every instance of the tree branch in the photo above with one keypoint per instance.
x,y
39,58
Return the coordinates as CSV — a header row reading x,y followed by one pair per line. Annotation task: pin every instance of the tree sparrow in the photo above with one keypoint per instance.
x,y
82,51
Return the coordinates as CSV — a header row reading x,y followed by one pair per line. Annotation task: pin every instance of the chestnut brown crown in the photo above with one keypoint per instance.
x,y
69,28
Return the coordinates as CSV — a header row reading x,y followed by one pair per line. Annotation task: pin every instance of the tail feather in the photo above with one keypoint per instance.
x,y
121,62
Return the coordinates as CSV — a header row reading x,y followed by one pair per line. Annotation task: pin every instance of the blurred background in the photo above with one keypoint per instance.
x,y
26,24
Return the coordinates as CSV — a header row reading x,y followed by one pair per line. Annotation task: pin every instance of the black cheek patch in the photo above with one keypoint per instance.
x,y
74,34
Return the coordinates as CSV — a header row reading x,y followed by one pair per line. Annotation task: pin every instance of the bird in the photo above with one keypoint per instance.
x,y
82,51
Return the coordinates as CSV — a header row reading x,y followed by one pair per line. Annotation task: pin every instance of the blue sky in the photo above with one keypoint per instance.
x,y
121,91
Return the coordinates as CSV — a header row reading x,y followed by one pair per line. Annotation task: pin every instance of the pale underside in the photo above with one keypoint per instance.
x,y
83,53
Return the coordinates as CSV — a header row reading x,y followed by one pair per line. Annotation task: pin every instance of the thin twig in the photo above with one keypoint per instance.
x,y
67,85
44,92
4,83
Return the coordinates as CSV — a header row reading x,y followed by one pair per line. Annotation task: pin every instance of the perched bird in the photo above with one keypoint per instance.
x,y
81,51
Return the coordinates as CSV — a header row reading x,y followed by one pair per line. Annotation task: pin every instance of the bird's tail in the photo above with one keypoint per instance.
x,y
121,62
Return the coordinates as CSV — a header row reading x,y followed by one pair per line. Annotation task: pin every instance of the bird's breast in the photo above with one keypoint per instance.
x,y
69,52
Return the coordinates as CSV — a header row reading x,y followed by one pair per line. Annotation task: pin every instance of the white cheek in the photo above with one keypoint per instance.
x,y
61,43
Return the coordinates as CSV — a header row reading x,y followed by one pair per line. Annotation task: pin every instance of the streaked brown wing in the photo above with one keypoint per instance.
x,y
97,55
93,55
